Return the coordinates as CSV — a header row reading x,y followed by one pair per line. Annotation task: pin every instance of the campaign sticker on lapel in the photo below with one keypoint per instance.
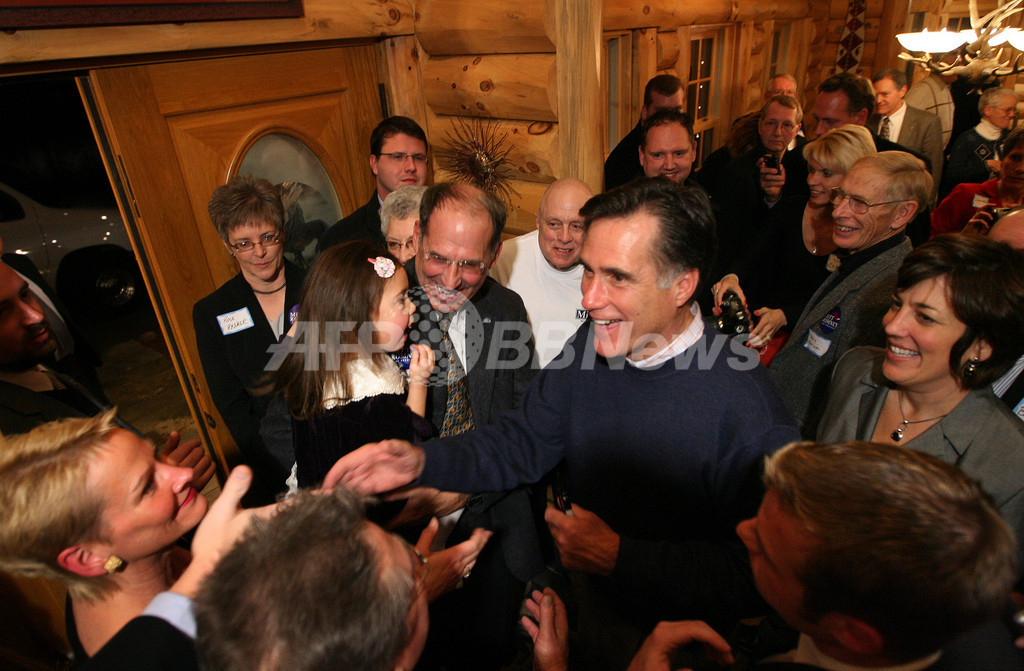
x,y
817,344
233,322
293,315
830,322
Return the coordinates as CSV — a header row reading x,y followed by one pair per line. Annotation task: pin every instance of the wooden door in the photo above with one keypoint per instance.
x,y
172,132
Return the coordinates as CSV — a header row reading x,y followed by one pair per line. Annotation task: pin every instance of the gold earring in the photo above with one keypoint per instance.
x,y
112,564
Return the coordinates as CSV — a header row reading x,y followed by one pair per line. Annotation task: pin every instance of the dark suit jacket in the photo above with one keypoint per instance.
x,y
623,163
363,224
22,410
475,626
146,643
233,363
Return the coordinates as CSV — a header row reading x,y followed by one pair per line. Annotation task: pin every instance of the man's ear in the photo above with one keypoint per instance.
x,y
861,117
685,286
641,157
497,253
373,164
83,559
904,214
853,634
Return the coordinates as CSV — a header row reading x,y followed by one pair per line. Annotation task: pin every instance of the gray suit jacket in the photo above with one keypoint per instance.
x,y
861,299
922,132
980,436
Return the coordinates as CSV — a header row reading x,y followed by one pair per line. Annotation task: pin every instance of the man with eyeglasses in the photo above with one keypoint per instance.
x,y
756,180
879,196
976,153
544,268
484,359
398,157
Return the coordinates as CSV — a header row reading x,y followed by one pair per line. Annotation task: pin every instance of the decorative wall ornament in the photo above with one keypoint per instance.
x,y
476,154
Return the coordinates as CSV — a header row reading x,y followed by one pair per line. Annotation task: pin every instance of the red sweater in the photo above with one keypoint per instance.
x,y
958,207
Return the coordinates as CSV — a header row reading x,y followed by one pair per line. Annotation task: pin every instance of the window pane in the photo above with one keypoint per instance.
x,y
310,203
707,45
703,105
694,59
691,100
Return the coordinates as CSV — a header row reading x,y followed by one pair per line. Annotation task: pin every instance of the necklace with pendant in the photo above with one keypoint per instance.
x,y
897,435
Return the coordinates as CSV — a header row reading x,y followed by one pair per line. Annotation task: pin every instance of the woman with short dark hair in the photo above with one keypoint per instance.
x,y
954,327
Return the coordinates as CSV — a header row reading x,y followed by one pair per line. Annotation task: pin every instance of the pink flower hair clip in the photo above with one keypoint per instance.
x,y
383,266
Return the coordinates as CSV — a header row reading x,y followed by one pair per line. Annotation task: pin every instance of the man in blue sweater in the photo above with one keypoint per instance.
x,y
662,426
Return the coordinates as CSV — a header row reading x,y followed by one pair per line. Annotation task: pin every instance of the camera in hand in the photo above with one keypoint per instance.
x,y
734,319
771,161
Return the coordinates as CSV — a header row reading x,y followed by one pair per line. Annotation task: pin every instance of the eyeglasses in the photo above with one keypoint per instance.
x,y
471,270
247,246
401,157
857,205
395,246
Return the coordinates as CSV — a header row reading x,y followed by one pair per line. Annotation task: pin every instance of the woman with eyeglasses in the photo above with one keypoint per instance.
x,y
794,251
974,207
248,313
953,327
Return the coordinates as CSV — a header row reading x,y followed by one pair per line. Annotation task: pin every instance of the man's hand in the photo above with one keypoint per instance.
x,y
656,652
377,467
549,629
585,543
224,524
447,569
771,180
189,454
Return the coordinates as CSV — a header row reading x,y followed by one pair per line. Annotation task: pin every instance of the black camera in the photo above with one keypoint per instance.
x,y
771,161
734,319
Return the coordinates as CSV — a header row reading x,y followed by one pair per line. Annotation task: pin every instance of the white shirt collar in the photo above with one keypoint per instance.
x,y
690,335
808,653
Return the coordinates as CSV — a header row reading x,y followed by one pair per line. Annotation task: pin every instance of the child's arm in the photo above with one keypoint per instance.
x,y
421,362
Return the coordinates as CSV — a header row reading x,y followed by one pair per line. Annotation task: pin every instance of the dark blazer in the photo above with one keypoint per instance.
x,y
146,643
363,224
233,363
862,299
979,436
475,626
22,410
921,133
623,163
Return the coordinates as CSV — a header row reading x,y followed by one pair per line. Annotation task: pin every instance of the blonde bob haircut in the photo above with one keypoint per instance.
x,y
838,149
46,505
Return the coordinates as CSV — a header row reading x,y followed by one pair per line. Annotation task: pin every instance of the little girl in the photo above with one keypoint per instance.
x,y
357,301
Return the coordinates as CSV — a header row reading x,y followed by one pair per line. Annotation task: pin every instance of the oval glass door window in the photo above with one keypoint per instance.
x,y
310,204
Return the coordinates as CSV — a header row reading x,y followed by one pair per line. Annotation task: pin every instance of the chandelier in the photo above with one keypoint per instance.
x,y
978,51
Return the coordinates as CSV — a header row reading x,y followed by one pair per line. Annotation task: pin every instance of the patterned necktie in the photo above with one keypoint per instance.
x,y
458,415
884,130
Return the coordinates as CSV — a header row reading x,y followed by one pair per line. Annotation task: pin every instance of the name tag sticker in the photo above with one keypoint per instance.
x,y
980,200
233,322
1019,410
817,344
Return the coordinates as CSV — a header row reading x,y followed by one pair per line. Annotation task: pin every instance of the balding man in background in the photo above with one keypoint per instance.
x,y
543,267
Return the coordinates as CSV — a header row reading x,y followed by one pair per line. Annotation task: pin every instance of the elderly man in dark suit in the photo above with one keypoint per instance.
x,y
880,195
398,157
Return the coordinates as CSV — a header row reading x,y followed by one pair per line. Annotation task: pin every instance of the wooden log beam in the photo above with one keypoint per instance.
x,y
403,78
452,27
671,14
520,86
322,20
580,108
668,50
894,17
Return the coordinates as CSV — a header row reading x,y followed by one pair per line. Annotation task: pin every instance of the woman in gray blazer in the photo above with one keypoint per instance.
x,y
954,327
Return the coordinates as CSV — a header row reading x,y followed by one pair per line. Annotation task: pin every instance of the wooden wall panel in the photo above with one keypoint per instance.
x,y
403,78
323,20
450,27
645,66
668,50
581,121
517,86
670,14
